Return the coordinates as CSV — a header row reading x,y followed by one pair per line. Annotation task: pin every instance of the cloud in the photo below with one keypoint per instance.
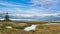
x,y
44,2
10,4
35,15
40,8
46,5
16,8
1,12
49,15
21,15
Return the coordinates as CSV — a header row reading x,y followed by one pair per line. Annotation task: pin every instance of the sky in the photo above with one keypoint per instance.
x,y
31,8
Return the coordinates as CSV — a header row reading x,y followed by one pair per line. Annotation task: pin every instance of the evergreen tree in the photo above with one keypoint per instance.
x,y
7,17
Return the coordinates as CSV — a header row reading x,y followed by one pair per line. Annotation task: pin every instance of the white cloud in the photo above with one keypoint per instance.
x,y
11,4
21,15
35,11
3,3
1,12
27,15
38,15
43,2
46,5
48,15
16,8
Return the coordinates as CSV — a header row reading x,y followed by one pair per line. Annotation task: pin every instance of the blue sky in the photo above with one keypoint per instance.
x,y
29,8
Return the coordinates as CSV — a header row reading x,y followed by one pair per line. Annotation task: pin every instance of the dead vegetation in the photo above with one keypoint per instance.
x,y
18,28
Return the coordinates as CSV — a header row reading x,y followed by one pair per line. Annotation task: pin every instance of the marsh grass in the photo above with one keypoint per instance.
x,y
18,28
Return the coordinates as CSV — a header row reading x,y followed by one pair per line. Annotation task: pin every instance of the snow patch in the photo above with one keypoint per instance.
x,y
33,27
8,26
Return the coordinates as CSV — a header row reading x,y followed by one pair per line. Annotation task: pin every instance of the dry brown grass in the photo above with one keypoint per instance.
x,y
14,25
41,29
51,29
48,29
